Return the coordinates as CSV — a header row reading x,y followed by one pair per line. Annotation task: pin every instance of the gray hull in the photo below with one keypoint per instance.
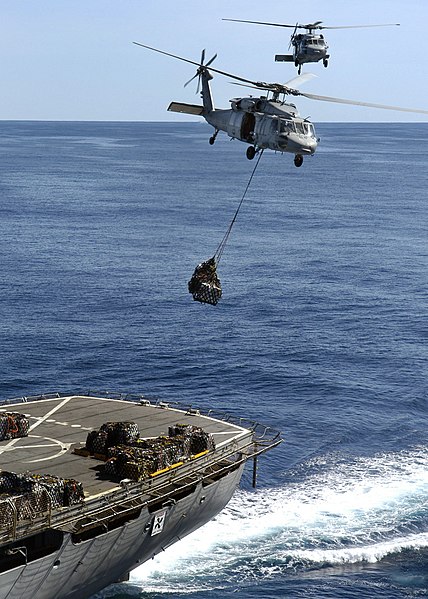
x,y
77,571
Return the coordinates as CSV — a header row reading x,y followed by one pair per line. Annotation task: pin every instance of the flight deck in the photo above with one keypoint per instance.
x,y
60,425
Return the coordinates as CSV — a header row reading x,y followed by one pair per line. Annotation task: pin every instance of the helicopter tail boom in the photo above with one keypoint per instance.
x,y
186,108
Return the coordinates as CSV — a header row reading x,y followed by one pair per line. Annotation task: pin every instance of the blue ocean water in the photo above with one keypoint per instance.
x,y
321,332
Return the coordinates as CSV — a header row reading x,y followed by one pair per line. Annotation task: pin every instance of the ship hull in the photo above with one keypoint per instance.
x,y
70,546
78,570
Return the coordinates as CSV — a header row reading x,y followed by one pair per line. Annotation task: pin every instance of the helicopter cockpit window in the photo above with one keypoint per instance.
x,y
300,128
309,129
286,126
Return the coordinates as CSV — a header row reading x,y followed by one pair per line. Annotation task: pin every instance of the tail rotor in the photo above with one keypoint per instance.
x,y
292,35
201,69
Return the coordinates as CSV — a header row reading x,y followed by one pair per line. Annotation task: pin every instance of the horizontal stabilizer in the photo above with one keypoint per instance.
x,y
186,108
284,58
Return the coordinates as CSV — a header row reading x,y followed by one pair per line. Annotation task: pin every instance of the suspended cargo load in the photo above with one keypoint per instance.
x,y
205,285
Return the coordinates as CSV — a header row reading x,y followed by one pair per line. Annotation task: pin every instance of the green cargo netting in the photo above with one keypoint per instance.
x,y
205,285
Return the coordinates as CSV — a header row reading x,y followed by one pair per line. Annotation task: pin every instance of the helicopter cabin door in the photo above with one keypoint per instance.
x,y
247,127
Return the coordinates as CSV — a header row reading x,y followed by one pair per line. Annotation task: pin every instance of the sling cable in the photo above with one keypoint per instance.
x,y
205,285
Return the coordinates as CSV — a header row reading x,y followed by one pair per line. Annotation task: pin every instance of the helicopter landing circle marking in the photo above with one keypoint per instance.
x,y
50,443
35,425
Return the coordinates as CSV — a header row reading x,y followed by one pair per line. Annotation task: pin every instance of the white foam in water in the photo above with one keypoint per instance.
x,y
349,512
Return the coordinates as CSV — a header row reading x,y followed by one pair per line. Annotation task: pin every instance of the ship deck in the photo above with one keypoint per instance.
x,y
59,425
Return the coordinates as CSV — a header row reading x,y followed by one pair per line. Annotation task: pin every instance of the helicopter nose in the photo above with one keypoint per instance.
x,y
302,145
312,145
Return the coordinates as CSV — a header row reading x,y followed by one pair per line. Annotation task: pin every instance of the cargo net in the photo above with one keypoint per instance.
x,y
205,285
137,459
111,434
28,494
13,425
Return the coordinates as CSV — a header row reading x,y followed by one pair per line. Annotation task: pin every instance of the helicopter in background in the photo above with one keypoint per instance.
x,y
262,122
309,46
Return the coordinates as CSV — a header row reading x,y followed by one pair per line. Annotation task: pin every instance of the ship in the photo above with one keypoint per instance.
x,y
75,519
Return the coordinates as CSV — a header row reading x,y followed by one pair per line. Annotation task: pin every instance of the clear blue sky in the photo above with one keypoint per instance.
x,y
74,59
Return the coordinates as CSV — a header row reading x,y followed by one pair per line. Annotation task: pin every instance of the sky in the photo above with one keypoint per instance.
x,y
74,59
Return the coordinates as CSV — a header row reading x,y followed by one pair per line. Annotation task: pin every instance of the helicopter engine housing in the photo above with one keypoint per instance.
x,y
245,104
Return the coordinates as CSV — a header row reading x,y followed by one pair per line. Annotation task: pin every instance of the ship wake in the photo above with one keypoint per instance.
x,y
333,511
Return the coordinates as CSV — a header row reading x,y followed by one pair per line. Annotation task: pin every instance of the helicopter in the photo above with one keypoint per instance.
x,y
262,122
309,46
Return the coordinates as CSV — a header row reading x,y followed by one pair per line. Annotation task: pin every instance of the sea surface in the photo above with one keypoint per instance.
x,y
321,332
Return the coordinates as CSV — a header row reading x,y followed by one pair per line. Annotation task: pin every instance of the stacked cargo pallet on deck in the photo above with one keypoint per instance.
x,y
26,495
13,425
128,456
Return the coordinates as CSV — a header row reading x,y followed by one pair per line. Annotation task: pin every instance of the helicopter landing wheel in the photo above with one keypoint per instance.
x,y
298,160
325,62
213,137
299,70
251,152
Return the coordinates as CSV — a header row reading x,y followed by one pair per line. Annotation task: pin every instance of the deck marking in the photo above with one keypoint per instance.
x,y
46,416
53,443
10,444
33,426
63,446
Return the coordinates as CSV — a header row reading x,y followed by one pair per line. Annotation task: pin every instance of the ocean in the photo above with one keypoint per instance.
x,y
321,332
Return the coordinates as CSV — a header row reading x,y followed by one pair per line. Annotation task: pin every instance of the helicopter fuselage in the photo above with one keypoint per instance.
x,y
261,122
266,124
309,47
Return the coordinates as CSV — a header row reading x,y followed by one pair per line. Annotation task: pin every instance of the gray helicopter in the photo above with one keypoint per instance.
x,y
309,46
262,122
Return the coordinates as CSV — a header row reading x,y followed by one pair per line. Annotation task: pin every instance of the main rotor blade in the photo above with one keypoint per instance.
x,y
260,23
296,82
203,56
357,103
281,88
312,25
359,26
247,85
316,25
198,65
